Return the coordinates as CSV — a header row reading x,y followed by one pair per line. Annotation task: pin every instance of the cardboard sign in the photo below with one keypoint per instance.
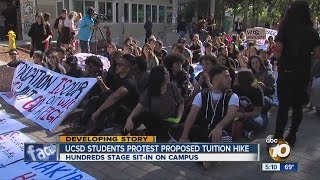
x,y
42,170
12,147
255,33
6,76
83,56
44,96
7,124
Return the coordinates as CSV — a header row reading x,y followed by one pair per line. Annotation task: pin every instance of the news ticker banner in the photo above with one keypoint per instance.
x,y
141,152
42,170
44,96
280,167
101,139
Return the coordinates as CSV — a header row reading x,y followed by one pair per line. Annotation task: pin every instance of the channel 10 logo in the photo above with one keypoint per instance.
x,y
279,149
40,152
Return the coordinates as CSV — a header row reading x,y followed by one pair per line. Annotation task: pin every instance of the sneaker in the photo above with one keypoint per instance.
x,y
291,138
251,136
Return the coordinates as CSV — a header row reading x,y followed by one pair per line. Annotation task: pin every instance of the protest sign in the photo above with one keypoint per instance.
x,y
11,147
260,34
44,96
7,124
83,56
42,170
6,76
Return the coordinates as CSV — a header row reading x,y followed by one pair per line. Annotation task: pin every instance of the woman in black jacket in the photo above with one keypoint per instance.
x,y
40,34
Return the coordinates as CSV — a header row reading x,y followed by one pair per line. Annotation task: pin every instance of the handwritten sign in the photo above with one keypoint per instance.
x,y
83,56
6,76
44,96
7,124
11,147
42,170
260,34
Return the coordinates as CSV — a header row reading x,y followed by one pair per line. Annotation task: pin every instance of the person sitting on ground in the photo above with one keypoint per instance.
x,y
251,104
264,57
72,68
150,58
212,113
38,58
13,54
141,74
223,60
61,53
109,75
196,48
159,51
159,107
208,49
178,76
202,80
121,97
177,49
265,79
54,64
111,48
127,49
152,42
70,52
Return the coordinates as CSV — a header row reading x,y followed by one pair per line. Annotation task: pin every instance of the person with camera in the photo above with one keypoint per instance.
x,y
87,26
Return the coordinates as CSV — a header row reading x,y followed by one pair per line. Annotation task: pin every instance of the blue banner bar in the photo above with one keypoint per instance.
x,y
289,167
156,148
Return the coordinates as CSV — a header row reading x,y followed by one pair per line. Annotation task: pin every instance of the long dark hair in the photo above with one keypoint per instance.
x,y
156,79
245,78
262,66
297,17
40,15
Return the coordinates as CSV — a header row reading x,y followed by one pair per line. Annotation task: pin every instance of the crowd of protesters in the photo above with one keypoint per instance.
x,y
148,85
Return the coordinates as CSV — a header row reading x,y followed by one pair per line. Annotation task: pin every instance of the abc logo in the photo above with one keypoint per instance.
x,y
279,149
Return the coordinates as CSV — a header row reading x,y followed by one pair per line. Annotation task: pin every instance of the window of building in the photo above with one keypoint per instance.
x,y
117,12
126,12
140,13
169,14
109,12
162,14
78,6
154,14
134,13
66,4
59,8
105,8
88,4
148,11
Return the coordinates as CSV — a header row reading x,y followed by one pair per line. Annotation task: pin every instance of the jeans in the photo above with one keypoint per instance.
x,y
85,46
292,92
256,124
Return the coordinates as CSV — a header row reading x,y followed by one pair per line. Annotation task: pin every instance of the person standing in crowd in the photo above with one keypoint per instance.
x,y
238,26
87,27
148,27
150,58
182,28
68,30
158,103
40,34
13,54
251,104
295,41
63,15
46,17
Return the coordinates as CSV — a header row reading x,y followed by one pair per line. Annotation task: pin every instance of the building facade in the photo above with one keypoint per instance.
x,y
125,17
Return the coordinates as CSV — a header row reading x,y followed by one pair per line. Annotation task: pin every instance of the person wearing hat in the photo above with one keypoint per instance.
x,y
87,26
72,68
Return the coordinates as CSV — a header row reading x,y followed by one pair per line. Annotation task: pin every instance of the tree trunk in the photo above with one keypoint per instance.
x,y
253,13
245,19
